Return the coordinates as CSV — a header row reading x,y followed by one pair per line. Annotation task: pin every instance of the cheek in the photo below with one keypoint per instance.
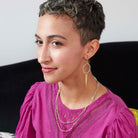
x,y
38,53
69,57
75,55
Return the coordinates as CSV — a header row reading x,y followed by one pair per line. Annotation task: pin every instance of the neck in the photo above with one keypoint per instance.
x,y
74,94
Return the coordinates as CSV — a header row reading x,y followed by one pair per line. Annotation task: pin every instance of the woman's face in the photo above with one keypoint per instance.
x,y
59,51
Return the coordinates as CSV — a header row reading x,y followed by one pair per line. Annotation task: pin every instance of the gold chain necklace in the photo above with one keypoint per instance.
x,y
74,122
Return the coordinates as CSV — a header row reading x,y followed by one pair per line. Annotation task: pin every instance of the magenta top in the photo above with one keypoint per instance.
x,y
107,117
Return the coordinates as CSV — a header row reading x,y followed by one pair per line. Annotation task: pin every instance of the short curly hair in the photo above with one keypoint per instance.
x,y
88,16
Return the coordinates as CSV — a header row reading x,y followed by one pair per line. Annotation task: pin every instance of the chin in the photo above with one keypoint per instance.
x,y
50,80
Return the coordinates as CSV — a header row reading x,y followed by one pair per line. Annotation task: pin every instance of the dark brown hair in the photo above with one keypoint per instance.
x,y
88,16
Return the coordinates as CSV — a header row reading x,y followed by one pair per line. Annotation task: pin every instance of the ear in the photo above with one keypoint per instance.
x,y
91,48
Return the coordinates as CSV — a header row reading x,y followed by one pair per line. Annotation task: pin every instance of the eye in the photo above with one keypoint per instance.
x,y
39,42
56,43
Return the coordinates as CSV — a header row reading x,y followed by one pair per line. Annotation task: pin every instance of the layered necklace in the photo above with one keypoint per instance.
x,y
73,122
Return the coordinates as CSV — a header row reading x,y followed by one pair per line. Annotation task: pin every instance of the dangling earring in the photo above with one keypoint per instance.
x,y
86,73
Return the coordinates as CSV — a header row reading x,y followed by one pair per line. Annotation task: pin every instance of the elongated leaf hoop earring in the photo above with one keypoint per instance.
x,y
86,73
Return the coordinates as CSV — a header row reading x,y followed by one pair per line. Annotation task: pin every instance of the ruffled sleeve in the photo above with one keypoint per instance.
x,y
25,128
123,126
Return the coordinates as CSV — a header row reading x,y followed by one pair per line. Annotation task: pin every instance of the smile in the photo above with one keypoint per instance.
x,y
48,70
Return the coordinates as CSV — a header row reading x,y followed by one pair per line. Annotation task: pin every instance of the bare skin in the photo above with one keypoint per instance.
x,y
79,98
60,48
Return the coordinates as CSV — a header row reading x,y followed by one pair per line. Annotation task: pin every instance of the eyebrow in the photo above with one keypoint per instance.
x,y
37,36
51,36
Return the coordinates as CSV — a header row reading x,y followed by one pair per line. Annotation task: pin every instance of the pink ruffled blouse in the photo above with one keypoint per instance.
x,y
107,117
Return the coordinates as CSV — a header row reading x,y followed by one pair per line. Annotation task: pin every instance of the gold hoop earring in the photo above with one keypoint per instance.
x,y
86,73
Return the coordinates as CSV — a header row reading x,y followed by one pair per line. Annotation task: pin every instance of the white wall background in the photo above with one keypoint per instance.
x,y
18,21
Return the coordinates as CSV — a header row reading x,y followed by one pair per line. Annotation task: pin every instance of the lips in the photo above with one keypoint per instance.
x,y
48,69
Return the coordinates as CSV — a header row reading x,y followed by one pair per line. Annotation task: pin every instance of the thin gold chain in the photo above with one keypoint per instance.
x,y
74,122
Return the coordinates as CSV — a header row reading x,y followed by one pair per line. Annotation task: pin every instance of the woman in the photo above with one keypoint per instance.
x,y
71,102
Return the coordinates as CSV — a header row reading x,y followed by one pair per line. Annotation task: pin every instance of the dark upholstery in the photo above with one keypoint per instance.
x,y
114,65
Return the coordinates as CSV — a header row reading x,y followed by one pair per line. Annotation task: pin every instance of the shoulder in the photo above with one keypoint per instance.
x,y
40,86
33,89
37,89
116,105
122,123
37,93
116,102
25,126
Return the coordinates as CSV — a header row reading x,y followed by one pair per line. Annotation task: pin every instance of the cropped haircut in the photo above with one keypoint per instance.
x,y
87,15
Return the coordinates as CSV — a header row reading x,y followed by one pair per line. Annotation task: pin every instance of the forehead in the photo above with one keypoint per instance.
x,y
53,24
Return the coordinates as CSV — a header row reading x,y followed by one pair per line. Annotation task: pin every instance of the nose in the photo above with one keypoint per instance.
x,y
43,55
